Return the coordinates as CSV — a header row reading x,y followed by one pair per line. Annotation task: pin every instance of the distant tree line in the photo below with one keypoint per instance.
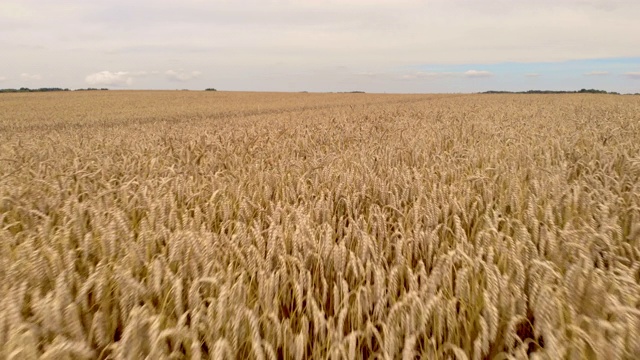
x,y
92,89
26,90
582,91
210,89
23,89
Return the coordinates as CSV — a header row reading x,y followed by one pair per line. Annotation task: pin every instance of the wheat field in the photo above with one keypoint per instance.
x,y
200,225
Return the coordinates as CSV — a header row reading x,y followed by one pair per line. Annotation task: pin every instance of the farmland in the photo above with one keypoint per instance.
x,y
276,225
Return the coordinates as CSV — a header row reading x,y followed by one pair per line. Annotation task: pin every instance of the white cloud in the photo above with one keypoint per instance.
x,y
596,73
2,78
633,75
14,11
27,76
126,78
443,74
408,76
478,73
139,73
421,74
368,74
181,75
532,75
119,78
430,75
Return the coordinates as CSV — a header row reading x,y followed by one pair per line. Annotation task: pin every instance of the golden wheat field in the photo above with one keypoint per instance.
x,y
201,225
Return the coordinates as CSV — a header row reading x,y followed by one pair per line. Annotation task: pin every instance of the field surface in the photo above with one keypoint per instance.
x,y
269,225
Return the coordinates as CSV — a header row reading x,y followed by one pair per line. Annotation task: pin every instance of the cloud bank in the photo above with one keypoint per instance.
x,y
597,73
445,74
127,78
108,78
27,76
477,73
181,75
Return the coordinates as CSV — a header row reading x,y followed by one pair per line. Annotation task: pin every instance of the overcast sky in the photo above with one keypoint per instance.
x,y
322,45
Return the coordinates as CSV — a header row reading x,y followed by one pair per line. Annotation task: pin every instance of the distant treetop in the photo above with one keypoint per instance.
x,y
25,90
582,91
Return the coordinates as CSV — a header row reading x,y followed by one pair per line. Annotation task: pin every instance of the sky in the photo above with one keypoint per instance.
x,y
401,46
